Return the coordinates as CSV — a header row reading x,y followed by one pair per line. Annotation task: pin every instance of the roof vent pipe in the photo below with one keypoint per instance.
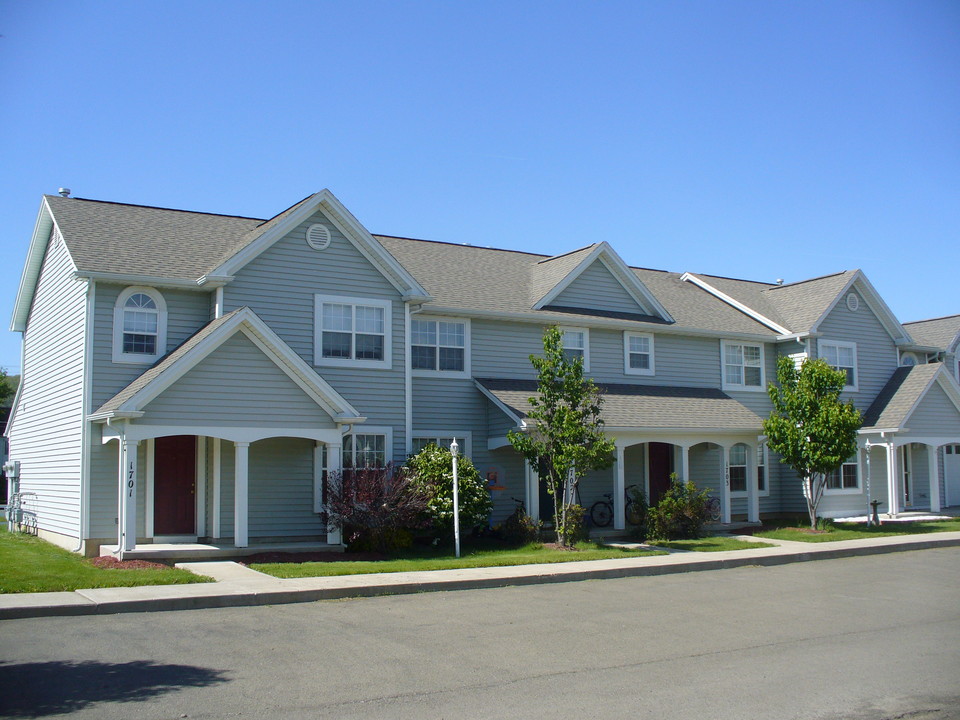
x,y
779,281
65,192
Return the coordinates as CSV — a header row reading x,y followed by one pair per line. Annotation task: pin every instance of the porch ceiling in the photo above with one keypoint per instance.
x,y
643,406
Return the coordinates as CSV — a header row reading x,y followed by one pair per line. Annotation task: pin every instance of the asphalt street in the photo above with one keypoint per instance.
x,y
863,638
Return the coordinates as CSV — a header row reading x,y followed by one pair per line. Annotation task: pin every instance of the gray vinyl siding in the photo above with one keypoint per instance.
x,y
187,312
510,475
280,286
502,349
757,400
678,360
876,352
597,289
920,478
46,431
934,413
235,385
104,488
449,405
281,490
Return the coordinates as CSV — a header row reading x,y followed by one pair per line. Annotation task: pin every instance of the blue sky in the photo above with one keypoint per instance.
x,y
760,140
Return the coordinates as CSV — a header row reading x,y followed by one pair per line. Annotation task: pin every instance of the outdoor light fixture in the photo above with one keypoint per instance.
x,y
456,498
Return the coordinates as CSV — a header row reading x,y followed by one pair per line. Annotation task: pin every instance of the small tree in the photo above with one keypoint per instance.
x,y
6,387
809,427
431,472
567,440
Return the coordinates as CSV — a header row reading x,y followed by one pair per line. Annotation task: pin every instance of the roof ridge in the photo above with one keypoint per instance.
x,y
156,207
945,317
813,279
459,245
726,277
287,209
569,252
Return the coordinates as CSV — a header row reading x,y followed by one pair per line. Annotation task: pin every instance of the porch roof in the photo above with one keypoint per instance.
x,y
899,397
641,406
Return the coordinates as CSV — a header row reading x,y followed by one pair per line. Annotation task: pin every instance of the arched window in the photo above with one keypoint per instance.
x,y
139,326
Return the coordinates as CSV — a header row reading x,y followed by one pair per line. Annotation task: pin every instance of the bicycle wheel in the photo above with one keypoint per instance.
x,y
632,514
713,509
601,513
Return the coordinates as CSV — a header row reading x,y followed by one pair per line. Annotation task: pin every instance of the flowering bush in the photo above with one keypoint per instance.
x,y
431,473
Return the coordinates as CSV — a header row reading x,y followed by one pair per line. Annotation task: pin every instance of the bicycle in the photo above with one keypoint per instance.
x,y
712,509
601,512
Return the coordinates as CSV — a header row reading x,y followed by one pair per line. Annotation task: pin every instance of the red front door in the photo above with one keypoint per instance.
x,y
174,485
661,465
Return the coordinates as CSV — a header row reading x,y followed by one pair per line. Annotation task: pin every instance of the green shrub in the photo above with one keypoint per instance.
x,y
638,517
573,525
381,540
681,512
519,528
431,471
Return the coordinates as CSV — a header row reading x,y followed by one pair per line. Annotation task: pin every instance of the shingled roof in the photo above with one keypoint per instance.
x,y
939,332
643,406
892,406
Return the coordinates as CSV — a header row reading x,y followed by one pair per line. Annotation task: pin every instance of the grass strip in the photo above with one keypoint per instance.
x,y
527,555
29,564
710,544
857,531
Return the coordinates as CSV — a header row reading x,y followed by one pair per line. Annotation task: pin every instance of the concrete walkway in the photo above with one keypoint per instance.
x,y
237,585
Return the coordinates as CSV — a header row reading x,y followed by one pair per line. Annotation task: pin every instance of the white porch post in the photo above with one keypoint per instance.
x,y
934,473
684,463
128,493
619,483
753,492
215,479
531,490
893,499
726,484
334,468
240,493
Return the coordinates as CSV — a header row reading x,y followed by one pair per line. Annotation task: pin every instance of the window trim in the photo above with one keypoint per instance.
x,y
461,374
466,435
725,384
586,342
627,370
858,490
384,430
385,305
119,356
823,343
746,470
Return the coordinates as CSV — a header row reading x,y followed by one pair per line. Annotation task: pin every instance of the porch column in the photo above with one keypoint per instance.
x,y
215,479
619,521
531,490
893,499
934,473
240,493
753,492
334,468
726,484
128,496
684,463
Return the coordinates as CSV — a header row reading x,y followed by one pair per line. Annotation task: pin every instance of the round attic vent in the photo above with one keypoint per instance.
x,y
853,302
318,236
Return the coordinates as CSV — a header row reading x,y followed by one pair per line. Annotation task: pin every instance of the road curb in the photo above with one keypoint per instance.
x,y
203,596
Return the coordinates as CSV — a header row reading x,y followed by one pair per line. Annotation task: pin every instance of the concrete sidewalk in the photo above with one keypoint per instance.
x,y
237,585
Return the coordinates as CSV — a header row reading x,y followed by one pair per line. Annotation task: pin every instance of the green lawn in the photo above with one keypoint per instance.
x,y
715,543
482,557
28,564
855,531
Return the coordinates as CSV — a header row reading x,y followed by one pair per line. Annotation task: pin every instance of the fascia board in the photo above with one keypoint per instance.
x,y
879,308
496,401
133,279
567,279
32,266
545,318
631,283
745,309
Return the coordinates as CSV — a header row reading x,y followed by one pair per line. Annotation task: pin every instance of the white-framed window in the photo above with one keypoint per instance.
x,y
842,356
352,332
737,470
638,354
440,346
844,480
742,366
364,450
422,438
576,344
139,326
762,487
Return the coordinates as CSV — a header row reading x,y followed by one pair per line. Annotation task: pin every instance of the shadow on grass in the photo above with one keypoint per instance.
x,y
52,688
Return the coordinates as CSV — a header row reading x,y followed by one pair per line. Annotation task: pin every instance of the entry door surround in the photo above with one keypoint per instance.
x,y
660,464
174,485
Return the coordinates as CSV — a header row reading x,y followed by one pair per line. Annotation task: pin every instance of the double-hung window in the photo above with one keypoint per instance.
x,y
844,479
352,332
576,344
363,450
638,353
842,356
738,469
439,346
139,326
742,366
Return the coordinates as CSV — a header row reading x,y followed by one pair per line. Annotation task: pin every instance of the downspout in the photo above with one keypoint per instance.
x,y
407,384
83,522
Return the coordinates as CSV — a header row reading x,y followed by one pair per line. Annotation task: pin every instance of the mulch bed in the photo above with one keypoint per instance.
x,y
111,563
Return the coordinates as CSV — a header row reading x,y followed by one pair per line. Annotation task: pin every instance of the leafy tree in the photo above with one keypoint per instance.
x,y
809,427
6,387
567,440
431,474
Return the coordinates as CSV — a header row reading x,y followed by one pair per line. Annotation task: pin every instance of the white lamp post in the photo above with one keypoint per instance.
x,y
456,497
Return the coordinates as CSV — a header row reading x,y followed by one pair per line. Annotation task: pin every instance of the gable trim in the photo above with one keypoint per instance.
x,y
351,229
946,383
620,271
496,401
876,304
746,310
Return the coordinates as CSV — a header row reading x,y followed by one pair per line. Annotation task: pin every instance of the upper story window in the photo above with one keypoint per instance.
x,y
742,366
843,357
576,344
139,326
352,332
440,346
638,353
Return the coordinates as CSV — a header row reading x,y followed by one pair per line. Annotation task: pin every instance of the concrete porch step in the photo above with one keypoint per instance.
x,y
195,552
